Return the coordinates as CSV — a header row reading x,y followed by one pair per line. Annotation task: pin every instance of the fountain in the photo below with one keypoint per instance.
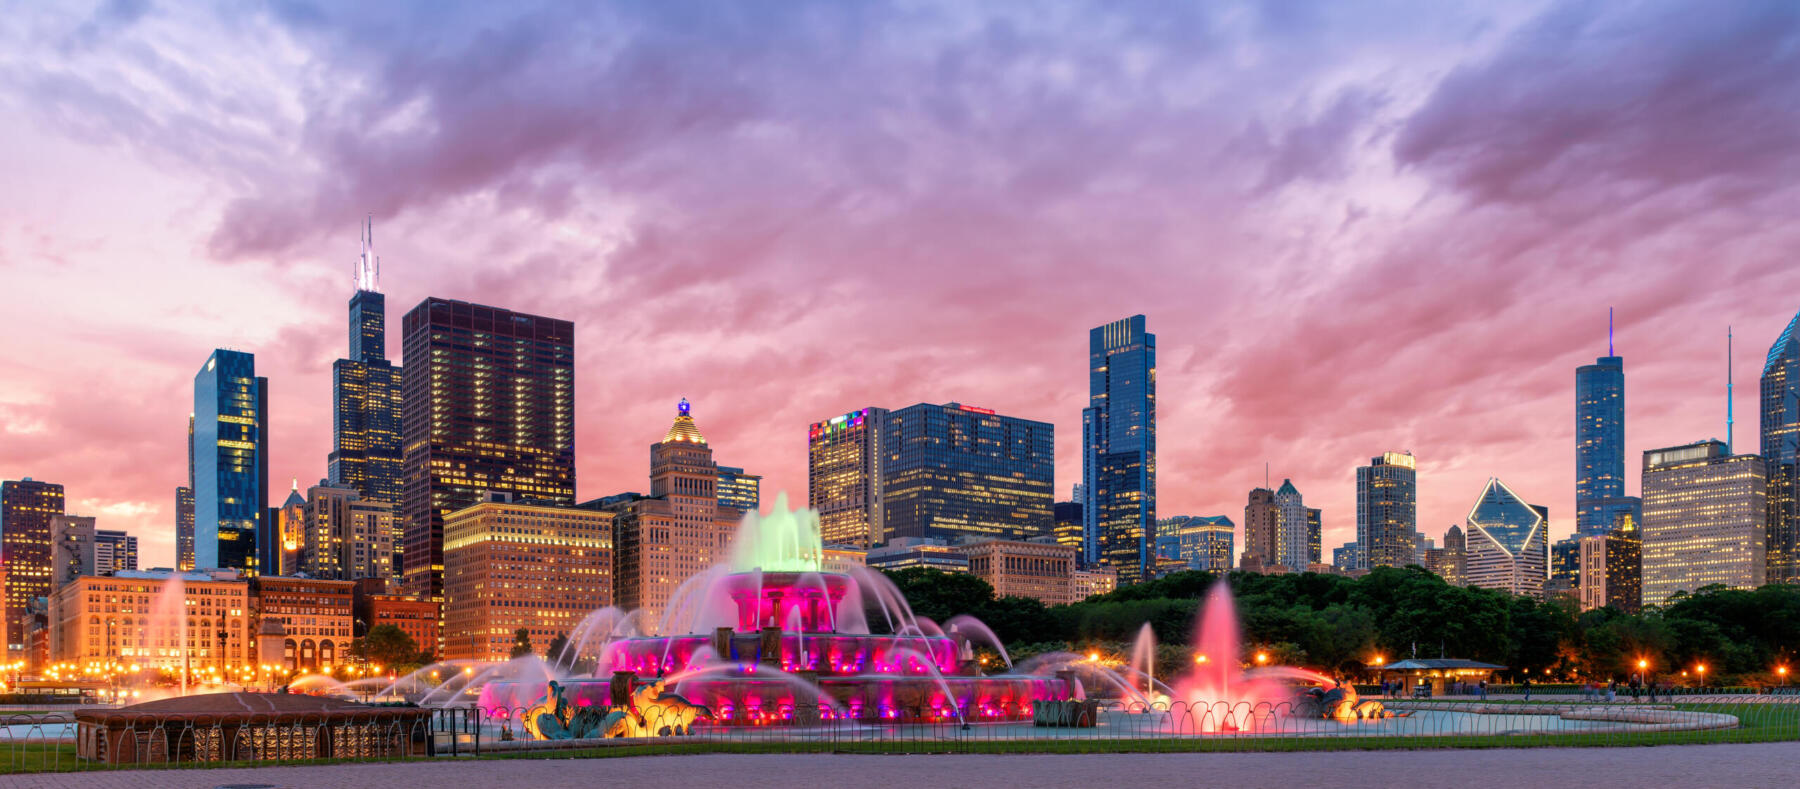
x,y
774,637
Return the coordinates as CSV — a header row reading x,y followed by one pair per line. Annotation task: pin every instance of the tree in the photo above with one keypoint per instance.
x,y
386,645
558,645
521,642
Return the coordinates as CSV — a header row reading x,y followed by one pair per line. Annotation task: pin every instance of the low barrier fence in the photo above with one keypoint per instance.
x,y
57,741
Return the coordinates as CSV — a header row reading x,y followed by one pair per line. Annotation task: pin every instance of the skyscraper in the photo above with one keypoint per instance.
x,y
1455,569
1262,529
1508,542
843,477
365,448
678,531
1705,520
1297,530
1781,454
955,472
1599,441
346,537
489,406
1612,569
511,565
1118,462
184,529
26,508
231,465
1066,517
1387,511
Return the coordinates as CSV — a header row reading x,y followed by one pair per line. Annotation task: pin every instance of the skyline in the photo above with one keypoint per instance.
x,y
1248,224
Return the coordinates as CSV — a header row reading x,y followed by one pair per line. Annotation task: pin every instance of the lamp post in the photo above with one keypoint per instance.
x,y
1781,671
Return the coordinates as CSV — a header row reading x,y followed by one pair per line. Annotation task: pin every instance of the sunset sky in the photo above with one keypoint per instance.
x,y
1355,227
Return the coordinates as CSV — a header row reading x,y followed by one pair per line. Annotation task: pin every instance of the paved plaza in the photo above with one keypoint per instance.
x,y
1737,766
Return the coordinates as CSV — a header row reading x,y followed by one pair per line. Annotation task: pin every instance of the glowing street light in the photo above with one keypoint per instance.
x,y
1093,657
1262,657
1200,659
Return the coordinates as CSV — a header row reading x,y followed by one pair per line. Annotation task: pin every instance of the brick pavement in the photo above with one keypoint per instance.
x,y
1736,766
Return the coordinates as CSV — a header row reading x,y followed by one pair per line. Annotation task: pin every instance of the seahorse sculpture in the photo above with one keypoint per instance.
x,y
651,711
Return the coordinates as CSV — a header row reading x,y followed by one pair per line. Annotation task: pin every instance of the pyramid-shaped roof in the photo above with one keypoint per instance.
x,y
1287,488
684,428
1784,345
1504,517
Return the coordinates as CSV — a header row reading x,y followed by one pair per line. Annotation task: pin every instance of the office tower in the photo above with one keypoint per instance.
x,y
956,472
1065,526
1387,510
114,550
1042,571
79,548
1296,532
27,507
346,536
231,472
675,533
1599,440
1456,557
1705,520
489,400
184,528
1507,542
513,564
366,398
1347,557
1781,454
1201,542
1262,528
739,491
1118,462
1612,569
843,477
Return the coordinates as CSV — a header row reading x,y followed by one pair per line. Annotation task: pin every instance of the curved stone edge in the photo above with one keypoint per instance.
x,y
1642,718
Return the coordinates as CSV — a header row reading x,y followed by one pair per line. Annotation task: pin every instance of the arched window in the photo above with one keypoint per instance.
x,y
327,654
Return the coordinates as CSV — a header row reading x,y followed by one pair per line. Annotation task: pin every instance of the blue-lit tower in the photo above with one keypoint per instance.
x,y
1781,453
1118,464
1600,444
231,465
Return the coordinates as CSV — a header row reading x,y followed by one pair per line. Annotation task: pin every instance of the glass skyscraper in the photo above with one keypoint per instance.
x,y
955,471
365,449
1600,446
1508,542
489,407
843,477
231,465
1781,453
1202,542
738,490
1118,463
1387,511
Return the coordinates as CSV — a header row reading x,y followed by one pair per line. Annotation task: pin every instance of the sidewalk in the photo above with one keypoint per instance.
x,y
1736,766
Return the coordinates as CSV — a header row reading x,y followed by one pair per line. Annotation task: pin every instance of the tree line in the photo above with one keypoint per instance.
x,y
1339,624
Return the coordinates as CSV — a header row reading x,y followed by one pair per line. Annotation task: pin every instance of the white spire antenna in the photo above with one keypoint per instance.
x,y
1729,420
368,267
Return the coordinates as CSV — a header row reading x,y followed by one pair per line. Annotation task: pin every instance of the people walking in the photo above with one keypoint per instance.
x,y
1528,689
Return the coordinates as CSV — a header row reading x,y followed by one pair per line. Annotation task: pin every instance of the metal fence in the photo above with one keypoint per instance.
x,y
53,741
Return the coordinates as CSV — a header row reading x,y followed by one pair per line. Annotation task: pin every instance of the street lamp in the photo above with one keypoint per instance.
x,y
1782,672
1262,657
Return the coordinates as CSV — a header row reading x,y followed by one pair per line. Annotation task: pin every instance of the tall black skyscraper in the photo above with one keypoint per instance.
x,y
365,449
489,406
1118,461
231,465
1600,444
1781,454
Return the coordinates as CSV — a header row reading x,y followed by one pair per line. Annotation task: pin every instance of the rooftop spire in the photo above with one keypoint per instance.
x,y
1728,411
1609,332
684,428
368,267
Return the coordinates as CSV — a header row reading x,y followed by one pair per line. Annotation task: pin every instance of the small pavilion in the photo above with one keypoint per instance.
x,y
1437,674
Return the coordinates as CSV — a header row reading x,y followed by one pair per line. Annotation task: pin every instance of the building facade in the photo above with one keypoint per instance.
x,y
317,615
676,532
1065,517
738,490
346,536
843,477
1118,460
511,565
1781,455
1347,557
1612,569
1455,563
1387,510
81,548
1043,571
1508,542
231,471
929,552
1599,442
156,620
366,402
1565,564
27,507
1198,542
184,528
489,405
417,617
1297,531
1090,581
957,472
1262,527
1705,520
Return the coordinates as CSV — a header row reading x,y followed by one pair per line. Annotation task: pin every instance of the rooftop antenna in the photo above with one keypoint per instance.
x,y
1728,417
1609,332
1265,474
368,267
